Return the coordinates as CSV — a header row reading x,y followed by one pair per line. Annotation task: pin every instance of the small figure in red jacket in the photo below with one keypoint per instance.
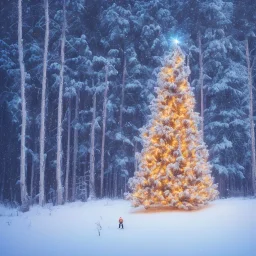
x,y
121,221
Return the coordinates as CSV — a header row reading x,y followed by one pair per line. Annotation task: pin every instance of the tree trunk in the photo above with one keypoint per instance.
x,y
201,81
42,128
85,174
60,106
68,153
75,148
115,183
92,194
250,85
3,182
32,176
122,96
23,187
135,158
11,193
120,179
104,118
110,184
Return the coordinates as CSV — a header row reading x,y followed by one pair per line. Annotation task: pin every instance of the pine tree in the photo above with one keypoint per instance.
x,y
173,168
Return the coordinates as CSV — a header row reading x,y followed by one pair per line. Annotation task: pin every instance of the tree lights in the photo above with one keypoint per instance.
x,y
173,167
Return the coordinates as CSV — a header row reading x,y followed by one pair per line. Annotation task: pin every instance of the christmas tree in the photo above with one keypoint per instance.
x,y
173,165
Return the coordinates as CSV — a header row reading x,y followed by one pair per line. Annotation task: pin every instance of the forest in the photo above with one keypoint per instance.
x,y
77,78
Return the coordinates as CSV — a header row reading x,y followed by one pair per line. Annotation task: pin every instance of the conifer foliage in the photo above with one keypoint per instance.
x,y
174,169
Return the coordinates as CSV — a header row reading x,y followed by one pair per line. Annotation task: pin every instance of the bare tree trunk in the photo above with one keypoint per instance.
x,y
42,128
106,186
68,153
32,182
3,182
220,187
250,85
92,194
109,185
23,187
201,81
85,174
75,149
104,118
11,193
60,108
32,176
121,117
115,183
122,96
125,184
135,158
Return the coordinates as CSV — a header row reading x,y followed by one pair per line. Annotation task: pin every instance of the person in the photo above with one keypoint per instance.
x,y
121,221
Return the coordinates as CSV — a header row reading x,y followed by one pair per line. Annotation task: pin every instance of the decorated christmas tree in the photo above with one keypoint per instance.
x,y
173,165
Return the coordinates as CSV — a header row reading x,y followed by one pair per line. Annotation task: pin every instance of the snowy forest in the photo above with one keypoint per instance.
x,y
77,78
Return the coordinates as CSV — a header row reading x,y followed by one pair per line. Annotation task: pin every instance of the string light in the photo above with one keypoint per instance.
x,y
173,149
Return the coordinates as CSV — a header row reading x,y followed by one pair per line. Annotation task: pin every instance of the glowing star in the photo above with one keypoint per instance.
x,y
176,41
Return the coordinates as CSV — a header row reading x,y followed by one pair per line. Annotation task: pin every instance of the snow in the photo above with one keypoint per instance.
x,y
225,227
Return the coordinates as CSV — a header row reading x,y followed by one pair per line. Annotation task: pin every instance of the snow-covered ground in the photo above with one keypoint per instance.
x,y
225,227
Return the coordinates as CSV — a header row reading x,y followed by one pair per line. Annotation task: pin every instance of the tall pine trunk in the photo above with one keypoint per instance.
x,y
32,176
135,158
104,118
85,174
60,109
3,181
68,153
75,149
122,96
250,85
32,182
42,128
119,178
23,187
201,81
92,194
115,182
